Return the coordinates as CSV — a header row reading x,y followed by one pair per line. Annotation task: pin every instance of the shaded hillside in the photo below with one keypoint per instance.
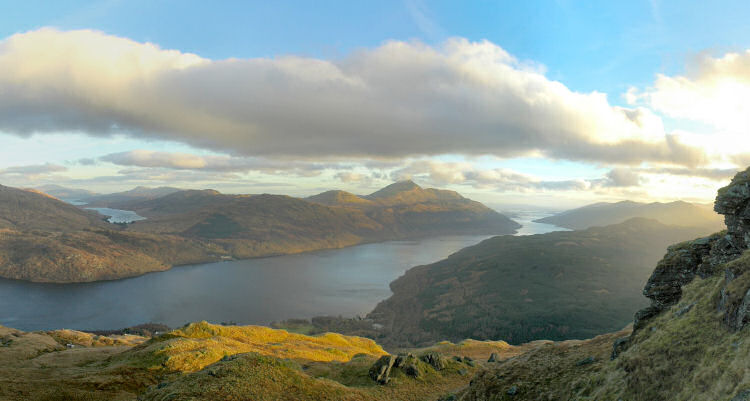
x,y
558,285
603,214
202,361
691,343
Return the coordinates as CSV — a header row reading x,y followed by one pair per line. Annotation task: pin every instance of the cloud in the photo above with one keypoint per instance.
x,y
188,161
34,170
446,173
623,177
348,176
397,100
712,91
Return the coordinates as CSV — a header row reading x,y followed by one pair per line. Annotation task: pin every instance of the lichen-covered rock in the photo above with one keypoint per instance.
x,y
435,360
701,257
618,346
733,201
678,267
381,369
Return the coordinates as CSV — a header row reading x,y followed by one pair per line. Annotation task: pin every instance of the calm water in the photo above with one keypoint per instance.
x,y
117,215
345,282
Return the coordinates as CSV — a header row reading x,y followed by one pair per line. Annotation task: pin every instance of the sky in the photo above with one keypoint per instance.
x,y
549,103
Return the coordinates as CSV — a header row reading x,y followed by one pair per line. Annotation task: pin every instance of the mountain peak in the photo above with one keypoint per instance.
x,y
395,189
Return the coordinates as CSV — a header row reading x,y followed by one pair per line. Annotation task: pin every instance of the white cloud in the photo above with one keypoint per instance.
x,y
399,99
713,91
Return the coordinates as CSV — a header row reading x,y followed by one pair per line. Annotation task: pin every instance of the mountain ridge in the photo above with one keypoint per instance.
x,y
601,214
198,226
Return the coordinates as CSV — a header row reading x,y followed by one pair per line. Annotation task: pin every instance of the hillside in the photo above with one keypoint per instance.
x,y
603,214
408,210
554,286
210,362
339,198
120,200
67,194
49,240
691,343
29,210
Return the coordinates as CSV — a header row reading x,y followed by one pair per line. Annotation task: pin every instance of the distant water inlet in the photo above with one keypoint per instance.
x,y
117,216
347,282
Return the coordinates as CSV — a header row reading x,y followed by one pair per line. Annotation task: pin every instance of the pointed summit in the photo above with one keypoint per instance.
x,y
395,189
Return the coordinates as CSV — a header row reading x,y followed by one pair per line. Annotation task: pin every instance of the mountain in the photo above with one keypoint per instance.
x,y
602,214
339,198
261,225
120,200
560,285
690,343
31,210
409,210
64,193
49,240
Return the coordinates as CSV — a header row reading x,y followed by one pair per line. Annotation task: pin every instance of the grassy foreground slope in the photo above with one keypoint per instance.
x,y
202,361
561,285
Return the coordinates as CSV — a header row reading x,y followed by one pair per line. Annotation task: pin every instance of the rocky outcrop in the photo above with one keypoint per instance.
x,y
435,360
380,371
702,256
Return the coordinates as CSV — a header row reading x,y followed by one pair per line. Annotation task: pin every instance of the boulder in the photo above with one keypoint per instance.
x,y
380,371
494,357
408,364
435,360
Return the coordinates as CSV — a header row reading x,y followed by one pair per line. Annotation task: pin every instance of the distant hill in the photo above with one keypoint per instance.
x,y
410,210
49,240
120,200
261,225
602,214
64,193
559,285
339,198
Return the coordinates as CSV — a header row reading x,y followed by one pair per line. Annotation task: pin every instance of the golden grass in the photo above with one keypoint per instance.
x,y
197,345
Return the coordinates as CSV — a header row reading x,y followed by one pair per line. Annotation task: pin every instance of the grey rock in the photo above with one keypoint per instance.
x,y
586,361
685,309
380,371
743,395
513,390
494,357
435,360
620,345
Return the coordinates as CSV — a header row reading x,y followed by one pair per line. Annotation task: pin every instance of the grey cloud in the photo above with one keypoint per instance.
x,y
623,177
188,161
397,100
33,170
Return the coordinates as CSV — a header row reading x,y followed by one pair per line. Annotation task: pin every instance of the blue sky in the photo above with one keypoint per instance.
x,y
606,47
